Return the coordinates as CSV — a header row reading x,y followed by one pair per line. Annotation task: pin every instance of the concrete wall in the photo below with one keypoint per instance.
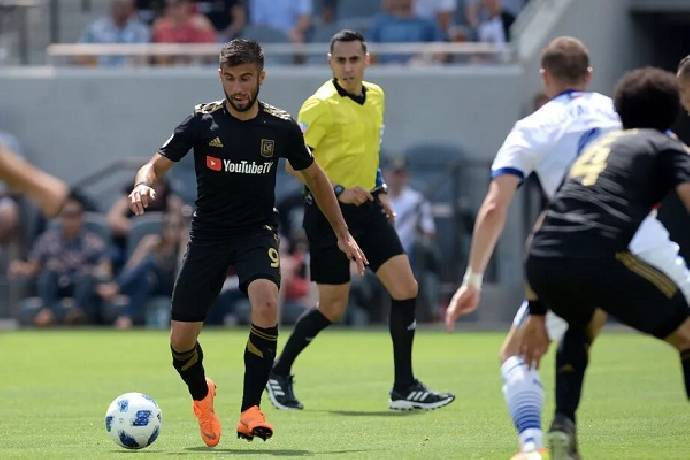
x,y
72,122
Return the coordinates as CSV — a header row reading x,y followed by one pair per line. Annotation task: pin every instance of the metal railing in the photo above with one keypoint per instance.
x,y
435,52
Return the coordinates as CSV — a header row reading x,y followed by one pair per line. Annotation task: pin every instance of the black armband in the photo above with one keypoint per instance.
x,y
536,308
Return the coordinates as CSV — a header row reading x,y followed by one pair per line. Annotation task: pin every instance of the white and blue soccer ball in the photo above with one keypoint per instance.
x,y
133,420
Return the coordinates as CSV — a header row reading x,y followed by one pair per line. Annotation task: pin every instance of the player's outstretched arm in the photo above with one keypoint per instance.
x,y
143,192
488,226
47,191
322,190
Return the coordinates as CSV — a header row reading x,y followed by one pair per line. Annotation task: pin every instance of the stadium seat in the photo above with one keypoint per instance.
x,y
148,224
360,25
356,9
267,34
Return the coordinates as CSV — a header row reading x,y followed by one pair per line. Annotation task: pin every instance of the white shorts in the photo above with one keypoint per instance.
x,y
653,245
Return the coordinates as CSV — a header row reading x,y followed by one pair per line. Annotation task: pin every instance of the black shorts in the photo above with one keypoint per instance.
x,y
368,225
624,286
205,267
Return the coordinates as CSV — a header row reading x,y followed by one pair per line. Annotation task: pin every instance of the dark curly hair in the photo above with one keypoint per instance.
x,y
647,98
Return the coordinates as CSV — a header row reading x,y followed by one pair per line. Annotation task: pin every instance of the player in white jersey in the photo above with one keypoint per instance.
x,y
547,142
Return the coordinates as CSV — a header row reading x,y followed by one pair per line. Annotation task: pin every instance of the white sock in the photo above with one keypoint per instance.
x,y
524,395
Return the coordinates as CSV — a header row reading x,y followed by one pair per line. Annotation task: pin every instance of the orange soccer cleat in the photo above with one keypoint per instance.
x,y
209,425
253,424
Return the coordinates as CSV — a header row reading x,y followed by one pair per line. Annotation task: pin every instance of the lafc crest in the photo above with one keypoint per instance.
x,y
267,148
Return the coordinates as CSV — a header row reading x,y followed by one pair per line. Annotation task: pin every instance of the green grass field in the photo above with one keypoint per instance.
x,y
56,385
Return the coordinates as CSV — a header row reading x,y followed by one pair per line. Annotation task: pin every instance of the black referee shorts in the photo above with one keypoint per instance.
x,y
368,225
625,286
205,267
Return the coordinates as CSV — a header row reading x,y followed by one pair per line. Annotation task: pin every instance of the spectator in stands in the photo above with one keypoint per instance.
x,y
290,16
398,23
119,217
227,16
491,20
121,26
440,11
69,260
149,272
414,223
181,24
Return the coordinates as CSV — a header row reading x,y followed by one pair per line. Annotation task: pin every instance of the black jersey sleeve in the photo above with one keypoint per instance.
x,y
674,166
181,141
297,152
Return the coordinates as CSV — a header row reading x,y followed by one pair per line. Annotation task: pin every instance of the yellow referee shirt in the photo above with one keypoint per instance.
x,y
345,133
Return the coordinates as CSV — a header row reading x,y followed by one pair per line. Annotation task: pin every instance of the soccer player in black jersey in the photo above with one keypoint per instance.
x,y
343,123
237,143
578,260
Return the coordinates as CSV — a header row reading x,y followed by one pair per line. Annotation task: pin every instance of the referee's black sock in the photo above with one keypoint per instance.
x,y
258,359
190,367
402,327
571,363
307,327
685,361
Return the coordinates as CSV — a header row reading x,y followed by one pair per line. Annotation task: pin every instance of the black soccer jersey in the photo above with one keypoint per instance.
x,y
236,163
609,190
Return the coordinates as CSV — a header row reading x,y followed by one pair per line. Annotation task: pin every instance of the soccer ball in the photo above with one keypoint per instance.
x,y
133,420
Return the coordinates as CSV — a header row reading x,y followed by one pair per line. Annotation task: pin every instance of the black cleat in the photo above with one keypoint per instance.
x,y
417,396
281,392
562,439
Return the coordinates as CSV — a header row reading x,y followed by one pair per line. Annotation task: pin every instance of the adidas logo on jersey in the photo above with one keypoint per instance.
x,y
216,143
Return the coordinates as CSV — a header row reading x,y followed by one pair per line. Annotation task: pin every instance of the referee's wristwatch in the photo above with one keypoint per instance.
x,y
338,190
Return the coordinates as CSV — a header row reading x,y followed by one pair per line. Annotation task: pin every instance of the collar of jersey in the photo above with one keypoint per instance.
x,y
568,92
258,114
358,99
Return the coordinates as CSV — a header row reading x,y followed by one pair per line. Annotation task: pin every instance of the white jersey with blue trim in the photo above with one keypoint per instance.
x,y
548,141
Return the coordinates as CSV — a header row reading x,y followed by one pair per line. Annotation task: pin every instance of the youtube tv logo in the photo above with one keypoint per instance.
x,y
214,163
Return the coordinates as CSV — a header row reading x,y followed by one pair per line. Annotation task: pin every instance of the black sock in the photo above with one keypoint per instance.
x,y
571,363
685,362
189,364
258,359
402,326
307,327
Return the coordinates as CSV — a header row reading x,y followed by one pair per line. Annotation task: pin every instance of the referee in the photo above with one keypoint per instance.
x,y
237,143
342,124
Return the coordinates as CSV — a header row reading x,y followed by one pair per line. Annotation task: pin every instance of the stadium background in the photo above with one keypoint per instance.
x,y
86,124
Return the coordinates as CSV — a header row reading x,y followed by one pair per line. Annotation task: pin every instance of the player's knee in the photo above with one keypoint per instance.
x,y
405,290
681,337
266,309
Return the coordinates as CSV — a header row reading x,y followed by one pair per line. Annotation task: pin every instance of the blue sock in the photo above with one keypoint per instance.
x,y
525,397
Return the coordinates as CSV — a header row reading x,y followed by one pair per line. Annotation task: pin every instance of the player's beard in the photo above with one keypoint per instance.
x,y
250,104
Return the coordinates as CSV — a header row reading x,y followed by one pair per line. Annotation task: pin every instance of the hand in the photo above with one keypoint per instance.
x,y
18,269
355,195
140,198
349,246
387,207
534,340
464,301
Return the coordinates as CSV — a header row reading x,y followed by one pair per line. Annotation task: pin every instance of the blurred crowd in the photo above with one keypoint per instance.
x,y
105,267
299,21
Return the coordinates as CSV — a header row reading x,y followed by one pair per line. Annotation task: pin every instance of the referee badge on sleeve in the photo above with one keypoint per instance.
x,y
267,147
